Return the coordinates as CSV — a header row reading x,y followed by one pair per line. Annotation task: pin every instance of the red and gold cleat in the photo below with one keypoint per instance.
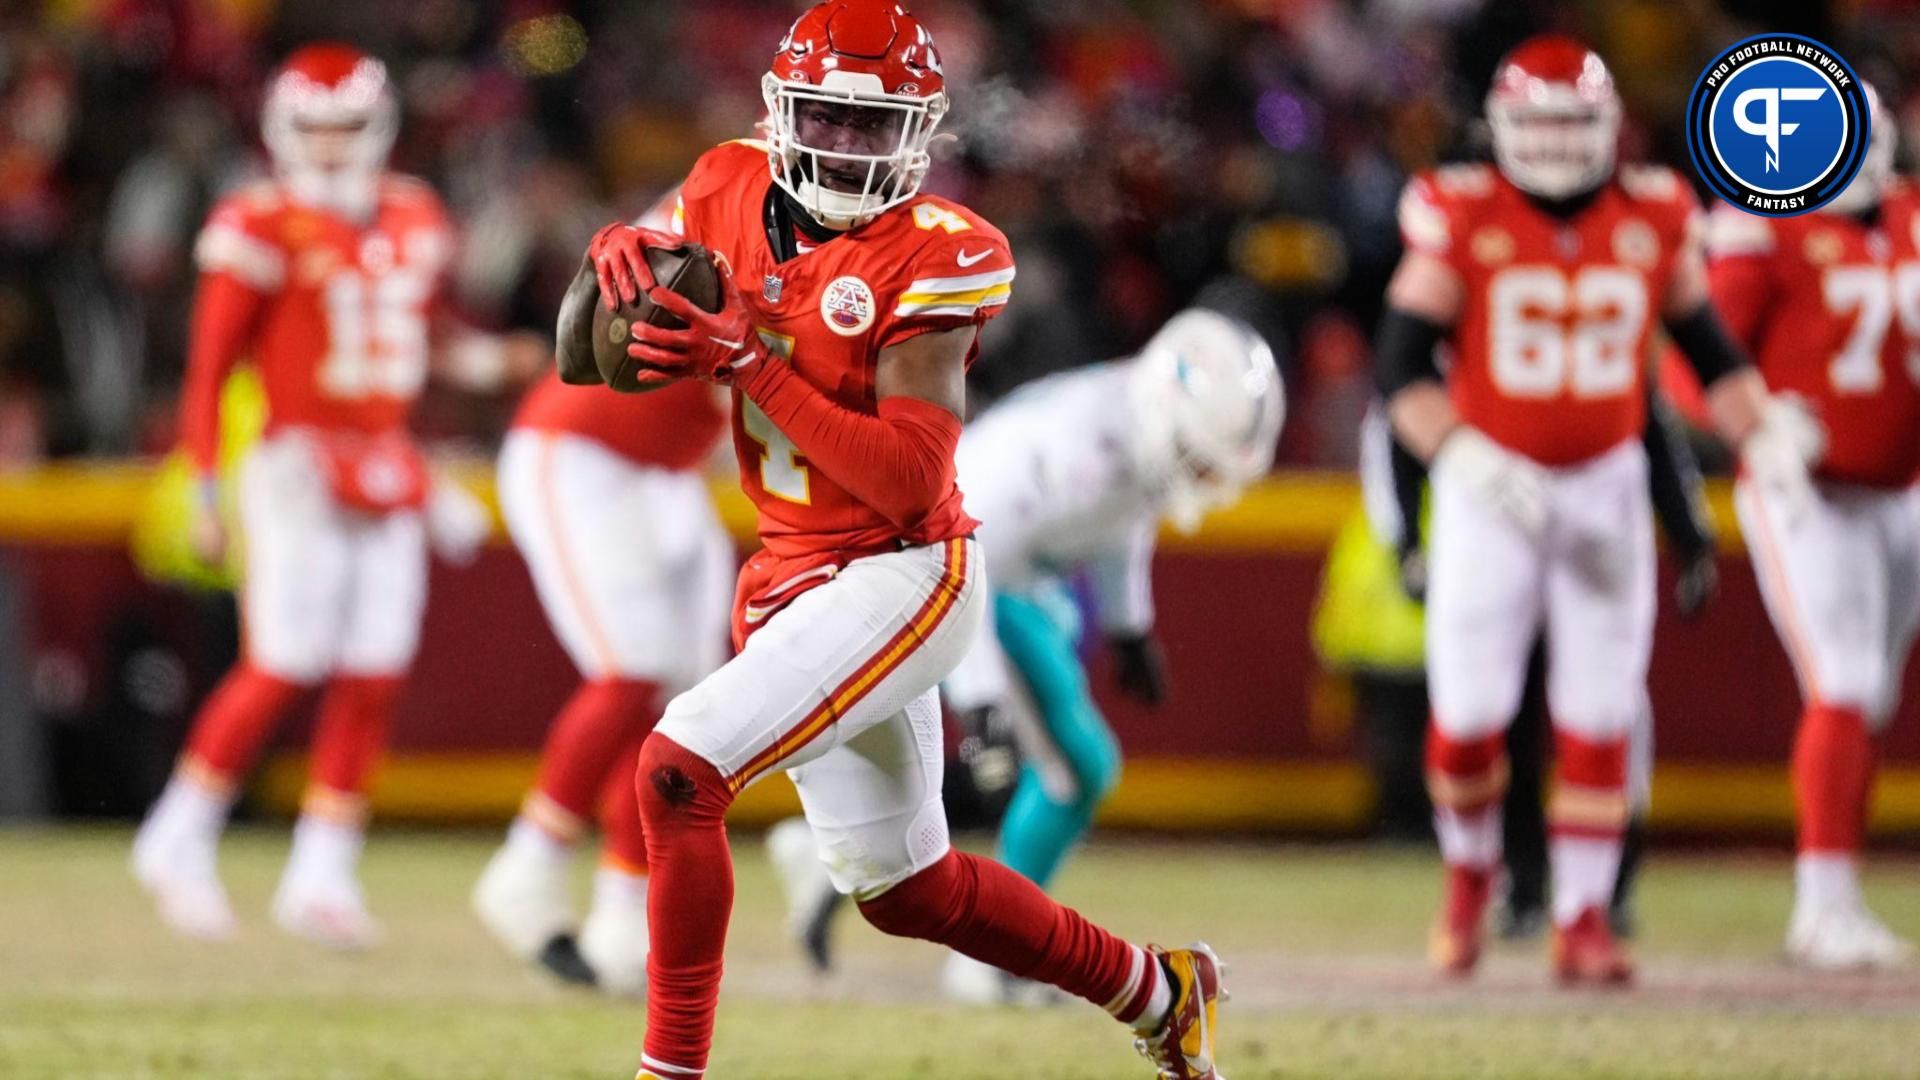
x,y
1459,932
1183,1047
1585,952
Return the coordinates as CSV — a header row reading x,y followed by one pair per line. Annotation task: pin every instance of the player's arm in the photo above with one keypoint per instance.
x,y
1122,578
1777,440
1679,502
1424,300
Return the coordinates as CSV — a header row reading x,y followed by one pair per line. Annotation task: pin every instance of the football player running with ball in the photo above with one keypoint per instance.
x,y
1829,303
850,305
1548,274
324,278
1073,474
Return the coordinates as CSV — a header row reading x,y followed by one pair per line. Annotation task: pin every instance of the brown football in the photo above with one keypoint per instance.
x,y
686,269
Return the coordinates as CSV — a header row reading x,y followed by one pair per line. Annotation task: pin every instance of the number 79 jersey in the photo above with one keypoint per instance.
x,y
1551,346
926,265
341,333
1829,305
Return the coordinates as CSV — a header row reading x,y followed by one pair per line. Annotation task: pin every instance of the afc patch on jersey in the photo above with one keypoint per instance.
x,y
847,305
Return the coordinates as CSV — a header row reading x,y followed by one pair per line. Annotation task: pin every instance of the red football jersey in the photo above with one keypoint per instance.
x,y
1551,347
336,317
673,428
927,264
1829,305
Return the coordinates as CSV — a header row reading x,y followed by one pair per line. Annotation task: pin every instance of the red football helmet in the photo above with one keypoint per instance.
x,y
1555,117
853,97
329,123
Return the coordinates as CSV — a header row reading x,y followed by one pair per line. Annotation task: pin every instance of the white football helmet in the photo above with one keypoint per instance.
x,y
329,123
1207,406
1876,171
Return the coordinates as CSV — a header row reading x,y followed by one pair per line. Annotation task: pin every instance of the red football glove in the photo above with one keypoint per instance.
x,y
718,346
619,254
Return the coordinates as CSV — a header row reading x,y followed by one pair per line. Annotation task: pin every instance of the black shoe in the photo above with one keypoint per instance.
x,y
818,938
1520,922
561,957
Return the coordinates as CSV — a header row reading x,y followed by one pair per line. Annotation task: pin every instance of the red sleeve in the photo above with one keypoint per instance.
x,y
225,310
1741,248
1426,213
900,462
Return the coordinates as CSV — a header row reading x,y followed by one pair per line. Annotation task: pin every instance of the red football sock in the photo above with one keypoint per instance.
x,y
623,840
1586,817
235,721
980,908
577,763
682,803
1466,779
351,731
1833,765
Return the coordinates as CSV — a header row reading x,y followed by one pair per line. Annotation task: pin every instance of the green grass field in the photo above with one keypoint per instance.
x,y
1325,945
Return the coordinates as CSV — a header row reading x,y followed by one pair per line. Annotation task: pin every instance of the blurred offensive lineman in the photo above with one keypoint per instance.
x,y
642,620
847,352
1829,304
1074,473
324,278
1547,275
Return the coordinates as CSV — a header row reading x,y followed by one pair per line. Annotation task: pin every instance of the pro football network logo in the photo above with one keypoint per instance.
x,y
1778,124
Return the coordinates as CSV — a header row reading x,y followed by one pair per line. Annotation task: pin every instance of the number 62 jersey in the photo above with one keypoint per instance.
x,y
1551,344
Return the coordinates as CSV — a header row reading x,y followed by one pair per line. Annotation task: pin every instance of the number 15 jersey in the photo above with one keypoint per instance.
x,y
1551,346
928,264
338,320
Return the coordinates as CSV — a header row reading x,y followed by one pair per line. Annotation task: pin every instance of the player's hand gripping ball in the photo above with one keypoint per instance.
x,y
634,266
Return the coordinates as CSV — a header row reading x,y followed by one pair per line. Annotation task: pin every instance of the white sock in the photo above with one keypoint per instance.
x,y
1584,870
324,850
526,837
1825,880
189,808
617,887
1153,1015
1468,839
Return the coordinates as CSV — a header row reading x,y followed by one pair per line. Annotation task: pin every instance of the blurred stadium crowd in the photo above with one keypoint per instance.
x,y
1140,154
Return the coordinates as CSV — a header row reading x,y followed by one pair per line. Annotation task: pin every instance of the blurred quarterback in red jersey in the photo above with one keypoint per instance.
x,y
606,498
852,303
322,277
1547,274
1829,305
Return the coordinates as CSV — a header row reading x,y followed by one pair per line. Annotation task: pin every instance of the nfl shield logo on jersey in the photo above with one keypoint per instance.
x,y
770,288
847,306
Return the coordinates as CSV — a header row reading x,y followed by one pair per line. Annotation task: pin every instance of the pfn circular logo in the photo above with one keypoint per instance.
x,y
1778,124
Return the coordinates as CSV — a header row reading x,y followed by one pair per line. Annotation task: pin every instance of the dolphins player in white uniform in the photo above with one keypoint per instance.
x,y
1072,474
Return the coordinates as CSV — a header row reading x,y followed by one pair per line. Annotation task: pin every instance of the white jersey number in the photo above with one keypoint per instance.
x,y
376,335
1874,296
1549,333
781,473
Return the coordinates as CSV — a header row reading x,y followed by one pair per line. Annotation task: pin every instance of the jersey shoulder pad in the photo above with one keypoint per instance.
x,y
1662,195
412,194
1437,202
957,265
725,164
1654,184
1732,232
242,237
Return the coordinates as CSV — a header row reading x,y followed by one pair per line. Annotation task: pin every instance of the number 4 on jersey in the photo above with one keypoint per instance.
x,y
781,473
